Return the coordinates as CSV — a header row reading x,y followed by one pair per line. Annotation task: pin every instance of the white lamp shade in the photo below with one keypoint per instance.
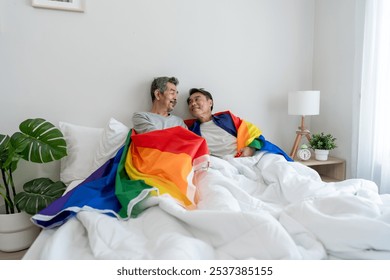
x,y
304,103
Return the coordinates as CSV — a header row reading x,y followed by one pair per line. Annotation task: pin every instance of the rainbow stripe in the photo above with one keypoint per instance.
x,y
246,131
160,162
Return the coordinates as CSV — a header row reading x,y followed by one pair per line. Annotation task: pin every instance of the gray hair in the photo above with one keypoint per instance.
x,y
160,83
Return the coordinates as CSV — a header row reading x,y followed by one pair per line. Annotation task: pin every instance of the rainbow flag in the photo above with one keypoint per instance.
x,y
247,134
160,162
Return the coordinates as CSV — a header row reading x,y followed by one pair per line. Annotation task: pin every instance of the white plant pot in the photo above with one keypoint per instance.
x,y
321,154
17,232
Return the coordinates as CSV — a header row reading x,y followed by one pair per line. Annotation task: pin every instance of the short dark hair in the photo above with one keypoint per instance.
x,y
202,91
160,83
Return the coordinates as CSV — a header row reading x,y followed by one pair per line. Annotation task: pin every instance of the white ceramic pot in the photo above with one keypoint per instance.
x,y
17,232
321,154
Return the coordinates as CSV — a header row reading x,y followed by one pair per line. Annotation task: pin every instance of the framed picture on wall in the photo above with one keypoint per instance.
x,y
67,5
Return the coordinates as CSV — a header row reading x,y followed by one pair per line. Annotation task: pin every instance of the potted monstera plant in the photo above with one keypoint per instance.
x,y
37,141
322,143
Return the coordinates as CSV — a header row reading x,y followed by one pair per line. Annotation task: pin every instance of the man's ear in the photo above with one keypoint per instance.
x,y
157,94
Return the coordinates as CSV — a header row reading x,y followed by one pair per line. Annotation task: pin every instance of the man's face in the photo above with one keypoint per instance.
x,y
169,97
199,105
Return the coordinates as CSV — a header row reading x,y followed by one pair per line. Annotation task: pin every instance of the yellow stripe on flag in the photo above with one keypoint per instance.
x,y
246,133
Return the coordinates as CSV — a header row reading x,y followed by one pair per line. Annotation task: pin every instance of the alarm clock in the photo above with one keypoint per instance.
x,y
304,152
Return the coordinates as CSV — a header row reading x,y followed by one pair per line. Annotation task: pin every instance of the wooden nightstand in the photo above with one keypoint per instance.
x,y
331,170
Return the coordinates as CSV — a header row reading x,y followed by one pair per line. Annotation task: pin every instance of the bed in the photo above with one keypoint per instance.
x,y
262,207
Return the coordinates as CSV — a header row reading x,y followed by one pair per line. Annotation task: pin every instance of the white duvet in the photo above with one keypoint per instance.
x,y
250,208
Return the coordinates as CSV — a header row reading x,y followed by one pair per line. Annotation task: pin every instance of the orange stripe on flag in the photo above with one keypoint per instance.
x,y
246,133
164,166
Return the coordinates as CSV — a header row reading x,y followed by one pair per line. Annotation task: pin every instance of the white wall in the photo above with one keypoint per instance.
x,y
86,67
339,27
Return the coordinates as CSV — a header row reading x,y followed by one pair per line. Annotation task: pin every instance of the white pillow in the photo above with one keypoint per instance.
x,y
89,148
112,139
82,143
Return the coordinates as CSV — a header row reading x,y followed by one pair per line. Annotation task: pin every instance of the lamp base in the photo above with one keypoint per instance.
x,y
300,132
298,139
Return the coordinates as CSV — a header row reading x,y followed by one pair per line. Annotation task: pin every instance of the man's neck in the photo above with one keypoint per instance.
x,y
159,111
205,118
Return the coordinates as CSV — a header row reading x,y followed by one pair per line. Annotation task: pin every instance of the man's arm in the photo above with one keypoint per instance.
x,y
142,123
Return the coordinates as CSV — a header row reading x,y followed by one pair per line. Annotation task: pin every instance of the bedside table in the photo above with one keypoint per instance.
x,y
331,170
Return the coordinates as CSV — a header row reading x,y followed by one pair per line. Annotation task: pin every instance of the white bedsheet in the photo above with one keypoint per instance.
x,y
250,208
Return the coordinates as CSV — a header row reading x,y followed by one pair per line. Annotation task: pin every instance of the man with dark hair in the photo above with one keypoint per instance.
x,y
225,133
164,93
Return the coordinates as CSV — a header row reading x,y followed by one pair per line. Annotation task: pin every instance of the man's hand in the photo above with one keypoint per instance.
x,y
246,152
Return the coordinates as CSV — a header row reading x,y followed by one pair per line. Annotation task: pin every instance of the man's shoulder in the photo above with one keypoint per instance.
x,y
145,115
136,114
190,122
224,113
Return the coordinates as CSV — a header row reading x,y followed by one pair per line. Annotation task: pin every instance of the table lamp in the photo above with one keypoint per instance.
x,y
303,103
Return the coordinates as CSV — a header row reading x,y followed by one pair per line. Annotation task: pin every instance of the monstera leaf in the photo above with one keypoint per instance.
x,y
38,194
4,142
8,156
39,141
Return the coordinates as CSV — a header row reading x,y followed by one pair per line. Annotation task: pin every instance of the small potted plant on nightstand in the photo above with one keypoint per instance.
x,y
322,143
38,141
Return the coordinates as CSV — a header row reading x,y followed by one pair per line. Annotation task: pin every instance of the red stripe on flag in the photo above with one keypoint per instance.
x,y
166,140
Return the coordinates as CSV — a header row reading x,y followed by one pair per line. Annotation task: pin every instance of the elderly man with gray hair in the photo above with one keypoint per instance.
x,y
164,93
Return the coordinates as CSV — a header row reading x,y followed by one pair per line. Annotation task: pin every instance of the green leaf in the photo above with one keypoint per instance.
x,y
322,141
3,142
38,194
4,148
39,141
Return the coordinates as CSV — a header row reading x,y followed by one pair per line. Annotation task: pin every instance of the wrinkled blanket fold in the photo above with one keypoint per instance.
x,y
261,207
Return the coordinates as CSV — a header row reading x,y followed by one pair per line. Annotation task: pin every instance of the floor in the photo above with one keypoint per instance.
x,y
12,256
